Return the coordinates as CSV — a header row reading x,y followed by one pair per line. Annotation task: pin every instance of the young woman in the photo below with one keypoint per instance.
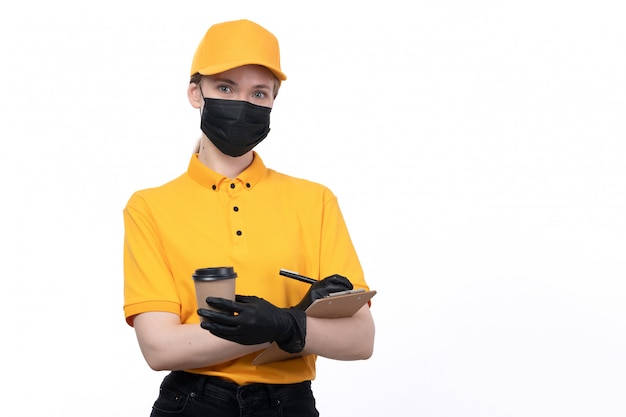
x,y
230,209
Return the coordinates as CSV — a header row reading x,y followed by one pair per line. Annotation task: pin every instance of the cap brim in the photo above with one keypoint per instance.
x,y
221,67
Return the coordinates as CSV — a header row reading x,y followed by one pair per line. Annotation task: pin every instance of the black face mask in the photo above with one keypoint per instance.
x,y
234,126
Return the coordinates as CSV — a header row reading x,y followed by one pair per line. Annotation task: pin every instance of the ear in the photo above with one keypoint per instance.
x,y
194,96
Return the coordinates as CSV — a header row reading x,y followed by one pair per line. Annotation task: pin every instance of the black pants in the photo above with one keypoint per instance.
x,y
189,395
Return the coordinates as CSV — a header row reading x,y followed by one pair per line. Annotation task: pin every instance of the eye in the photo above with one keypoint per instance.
x,y
259,94
224,88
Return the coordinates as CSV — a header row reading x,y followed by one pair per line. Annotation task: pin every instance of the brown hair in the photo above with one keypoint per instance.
x,y
195,79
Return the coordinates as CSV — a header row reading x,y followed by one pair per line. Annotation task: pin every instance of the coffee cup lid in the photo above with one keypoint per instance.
x,y
214,273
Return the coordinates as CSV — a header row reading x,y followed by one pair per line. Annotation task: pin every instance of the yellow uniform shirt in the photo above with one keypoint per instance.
x,y
258,223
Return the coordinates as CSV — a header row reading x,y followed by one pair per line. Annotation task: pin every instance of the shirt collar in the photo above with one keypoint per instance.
x,y
208,178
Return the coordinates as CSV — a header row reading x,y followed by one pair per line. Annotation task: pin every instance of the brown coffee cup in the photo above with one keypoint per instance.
x,y
214,282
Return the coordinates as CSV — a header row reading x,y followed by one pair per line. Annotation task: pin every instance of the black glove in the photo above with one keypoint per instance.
x,y
322,288
251,320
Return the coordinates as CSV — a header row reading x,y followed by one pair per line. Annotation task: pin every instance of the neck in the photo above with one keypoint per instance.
x,y
228,166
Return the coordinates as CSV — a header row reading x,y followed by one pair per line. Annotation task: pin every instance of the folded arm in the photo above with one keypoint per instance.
x,y
346,339
252,320
166,344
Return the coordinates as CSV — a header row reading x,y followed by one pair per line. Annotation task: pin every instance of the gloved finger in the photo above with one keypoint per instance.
x,y
223,304
338,281
246,298
335,288
209,314
217,316
220,330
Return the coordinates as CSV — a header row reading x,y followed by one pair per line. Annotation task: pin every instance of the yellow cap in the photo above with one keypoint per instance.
x,y
232,44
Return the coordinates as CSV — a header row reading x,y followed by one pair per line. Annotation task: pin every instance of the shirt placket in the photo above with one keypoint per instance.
x,y
234,190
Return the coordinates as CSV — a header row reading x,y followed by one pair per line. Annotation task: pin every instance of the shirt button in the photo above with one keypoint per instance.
x,y
232,185
238,232
247,185
236,208
214,187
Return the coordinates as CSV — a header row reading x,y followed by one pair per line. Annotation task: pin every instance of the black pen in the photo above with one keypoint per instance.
x,y
297,276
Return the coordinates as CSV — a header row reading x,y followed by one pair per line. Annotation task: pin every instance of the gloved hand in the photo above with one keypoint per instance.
x,y
251,320
322,288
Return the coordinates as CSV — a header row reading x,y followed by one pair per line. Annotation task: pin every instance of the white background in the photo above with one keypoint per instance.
x,y
477,149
